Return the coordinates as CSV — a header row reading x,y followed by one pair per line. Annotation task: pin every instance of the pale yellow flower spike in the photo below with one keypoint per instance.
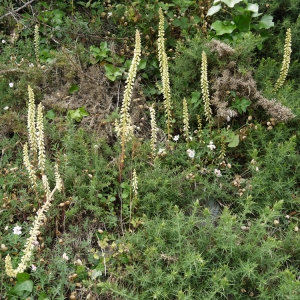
x,y
204,87
29,167
286,60
186,125
36,43
123,127
164,70
153,131
40,138
31,123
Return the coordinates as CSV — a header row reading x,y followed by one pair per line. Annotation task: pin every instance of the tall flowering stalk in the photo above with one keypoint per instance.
x,y
186,126
134,185
35,136
124,127
164,70
153,131
286,60
204,88
37,43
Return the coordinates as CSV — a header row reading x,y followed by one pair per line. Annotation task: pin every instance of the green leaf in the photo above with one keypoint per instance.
x,y
214,9
22,277
232,140
142,64
241,104
252,7
195,97
231,3
95,274
243,22
50,114
266,22
74,88
83,112
183,23
43,296
222,27
24,286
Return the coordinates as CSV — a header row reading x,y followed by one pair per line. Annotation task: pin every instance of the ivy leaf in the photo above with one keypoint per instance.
x,y
214,9
50,114
222,27
266,22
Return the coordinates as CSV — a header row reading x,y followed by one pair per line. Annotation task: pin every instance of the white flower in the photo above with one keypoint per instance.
x,y
162,152
218,173
6,228
17,230
109,14
33,267
176,138
31,65
211,145
6,108
11,84
256,169
190,153
3,41
65,256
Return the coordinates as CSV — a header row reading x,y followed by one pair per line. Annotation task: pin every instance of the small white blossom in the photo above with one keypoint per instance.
x,y
109,14
176,138
6,228
11,84
218,173
256,169
191,153
65,256
162,152
17,230
6,108
211,145
33,267
3,41
31,65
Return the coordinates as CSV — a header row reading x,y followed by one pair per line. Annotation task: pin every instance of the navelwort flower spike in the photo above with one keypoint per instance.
x,y
124,127
186,125
286,60
204,87
40,138
36,43
153,131
164,70
36,140
31,123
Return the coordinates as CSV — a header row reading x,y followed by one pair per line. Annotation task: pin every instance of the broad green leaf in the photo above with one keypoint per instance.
x,y
252,7
74,88
195,97
222,27
24,286
266,22
214,9
243,22
22,277
231,3
142,64
233,140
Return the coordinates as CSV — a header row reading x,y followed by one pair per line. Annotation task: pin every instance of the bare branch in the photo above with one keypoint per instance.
x,y
14,11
